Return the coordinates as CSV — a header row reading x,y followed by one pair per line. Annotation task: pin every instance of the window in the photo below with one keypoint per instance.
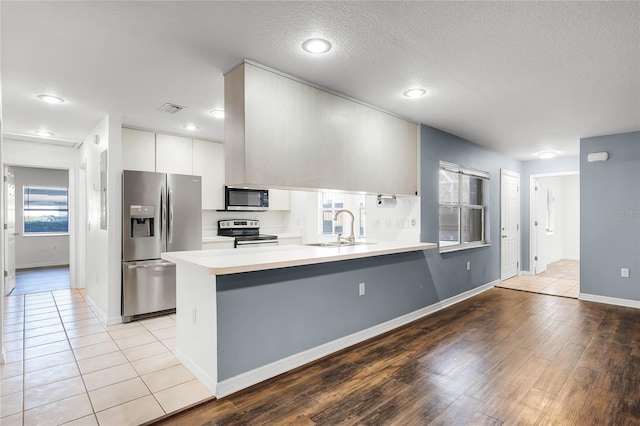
x,y
46,210
331,202
464,196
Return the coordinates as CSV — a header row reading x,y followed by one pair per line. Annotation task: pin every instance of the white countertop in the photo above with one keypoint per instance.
x,y
232,261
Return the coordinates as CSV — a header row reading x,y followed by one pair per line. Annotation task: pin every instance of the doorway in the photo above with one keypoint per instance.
x,y
37,251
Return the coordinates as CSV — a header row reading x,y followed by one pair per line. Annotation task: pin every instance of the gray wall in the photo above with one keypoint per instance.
x,y
268,315
449,270
610,216
36,251
538,167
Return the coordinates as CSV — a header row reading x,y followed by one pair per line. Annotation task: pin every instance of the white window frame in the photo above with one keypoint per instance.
x,y
461,171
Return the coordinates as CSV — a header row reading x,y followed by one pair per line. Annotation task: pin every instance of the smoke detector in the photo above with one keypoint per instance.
x,y
171,108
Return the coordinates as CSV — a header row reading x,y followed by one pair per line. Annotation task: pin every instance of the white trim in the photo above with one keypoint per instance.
x,y
252,377
43,265
201,374
609,300
100,314
460,247
2,357
525,273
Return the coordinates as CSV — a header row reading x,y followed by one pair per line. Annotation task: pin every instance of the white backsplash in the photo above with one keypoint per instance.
x,y
400,222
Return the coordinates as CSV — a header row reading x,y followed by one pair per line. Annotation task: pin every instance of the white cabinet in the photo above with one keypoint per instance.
x,y
216,245
289,241
279,199
325,140
138,150
174,154
208,162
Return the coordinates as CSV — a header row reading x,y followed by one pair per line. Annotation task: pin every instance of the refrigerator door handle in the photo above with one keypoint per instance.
x,y
156,265
170,223
163,213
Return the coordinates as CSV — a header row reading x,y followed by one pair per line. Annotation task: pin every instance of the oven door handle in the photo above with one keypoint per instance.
x,y
255,243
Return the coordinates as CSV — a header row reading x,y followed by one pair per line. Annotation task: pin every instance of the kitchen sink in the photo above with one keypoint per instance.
x,y
332,244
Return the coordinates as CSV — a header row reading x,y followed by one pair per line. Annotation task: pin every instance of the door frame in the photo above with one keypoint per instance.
x,y
533,237
518,237
73,212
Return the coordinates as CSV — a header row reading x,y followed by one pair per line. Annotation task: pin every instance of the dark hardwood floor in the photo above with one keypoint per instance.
x,y
502,357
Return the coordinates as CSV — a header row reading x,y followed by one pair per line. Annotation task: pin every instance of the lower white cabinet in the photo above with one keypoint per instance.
x,y
214,245
289,241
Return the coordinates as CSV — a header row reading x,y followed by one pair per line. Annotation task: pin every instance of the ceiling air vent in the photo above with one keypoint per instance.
x,y
171,108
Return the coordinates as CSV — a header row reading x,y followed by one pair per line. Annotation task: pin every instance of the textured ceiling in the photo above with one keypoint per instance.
x,y
519,77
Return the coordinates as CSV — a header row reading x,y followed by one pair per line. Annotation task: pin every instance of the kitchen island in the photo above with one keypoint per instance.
x,y
246,315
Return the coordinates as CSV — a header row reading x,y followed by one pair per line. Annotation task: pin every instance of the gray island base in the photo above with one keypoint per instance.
x,y
244,316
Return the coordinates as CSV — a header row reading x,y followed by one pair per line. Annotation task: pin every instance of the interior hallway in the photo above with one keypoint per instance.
x,y
561,278
38,280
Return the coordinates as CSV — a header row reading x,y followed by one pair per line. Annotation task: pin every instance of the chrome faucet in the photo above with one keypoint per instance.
x,y
350,240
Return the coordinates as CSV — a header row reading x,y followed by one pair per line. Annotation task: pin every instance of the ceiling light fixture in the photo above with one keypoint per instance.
x,y
51,99
44,133
545,155
190,126
316,46
217,113
414,93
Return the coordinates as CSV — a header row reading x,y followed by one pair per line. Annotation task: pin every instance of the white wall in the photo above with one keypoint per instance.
x,y
37,251
44,155
564,242
570,217
101,252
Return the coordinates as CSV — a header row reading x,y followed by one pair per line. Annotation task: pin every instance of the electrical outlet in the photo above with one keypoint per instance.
x,y
468,266
624,272
361,289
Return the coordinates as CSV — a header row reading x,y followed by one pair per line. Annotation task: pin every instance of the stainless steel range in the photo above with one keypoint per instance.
x,y
246,233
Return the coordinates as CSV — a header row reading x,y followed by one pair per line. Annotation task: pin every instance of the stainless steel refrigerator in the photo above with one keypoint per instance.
x,y
160,212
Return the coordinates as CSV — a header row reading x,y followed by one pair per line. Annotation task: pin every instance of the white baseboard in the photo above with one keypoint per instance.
x,y
609,300
201,374
102,316
252,377
525,273
42,265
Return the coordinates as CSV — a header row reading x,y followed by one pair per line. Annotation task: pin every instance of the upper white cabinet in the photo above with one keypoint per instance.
x,y
282,132
279,199
138,150
174,154
208,162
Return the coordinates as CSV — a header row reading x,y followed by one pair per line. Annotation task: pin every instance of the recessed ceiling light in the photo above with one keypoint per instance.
x,y
190,126
316,46
415,93
217,113
545,155
51,99
44,133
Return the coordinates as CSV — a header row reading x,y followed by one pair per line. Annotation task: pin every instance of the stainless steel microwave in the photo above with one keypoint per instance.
x,y
246,199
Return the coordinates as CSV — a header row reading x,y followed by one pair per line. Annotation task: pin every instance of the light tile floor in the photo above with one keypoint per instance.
x,y
561,278
64,367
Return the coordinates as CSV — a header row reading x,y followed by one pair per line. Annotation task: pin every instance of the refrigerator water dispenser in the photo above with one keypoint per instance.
x,y
142,221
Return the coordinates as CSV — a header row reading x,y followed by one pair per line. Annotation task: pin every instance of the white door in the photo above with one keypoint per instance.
x,y
509,224
10,231
540,248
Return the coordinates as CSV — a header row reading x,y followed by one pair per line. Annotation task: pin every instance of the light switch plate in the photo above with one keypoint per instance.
x,y
624,272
